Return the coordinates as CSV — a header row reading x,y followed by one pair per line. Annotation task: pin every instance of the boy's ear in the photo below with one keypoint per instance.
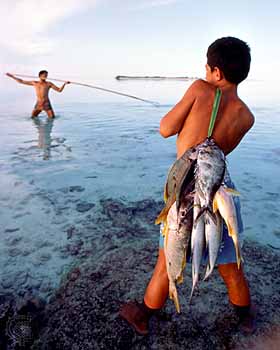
x,y
218,74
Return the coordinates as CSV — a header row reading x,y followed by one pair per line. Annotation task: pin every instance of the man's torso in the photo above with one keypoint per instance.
x,y
42,91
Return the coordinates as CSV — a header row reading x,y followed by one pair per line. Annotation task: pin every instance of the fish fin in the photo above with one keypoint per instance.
x,y
180,279
215,205
163,214
165,193
232,191
231,231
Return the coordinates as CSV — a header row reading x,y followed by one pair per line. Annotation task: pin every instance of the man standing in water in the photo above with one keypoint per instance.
x,y
42,88
228,64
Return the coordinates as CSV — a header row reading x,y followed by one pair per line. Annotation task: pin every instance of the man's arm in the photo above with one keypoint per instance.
x,y
174,120
25,82
56,88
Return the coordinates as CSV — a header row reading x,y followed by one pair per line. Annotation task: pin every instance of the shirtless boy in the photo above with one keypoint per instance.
x,y
228,64
42,88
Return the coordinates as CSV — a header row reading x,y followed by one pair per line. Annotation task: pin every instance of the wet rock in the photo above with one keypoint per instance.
x,y
11,230
71,231
14,252
11,241
83,207
76,189
72,189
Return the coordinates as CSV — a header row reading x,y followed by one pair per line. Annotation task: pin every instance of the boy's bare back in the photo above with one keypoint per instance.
x,y
190,118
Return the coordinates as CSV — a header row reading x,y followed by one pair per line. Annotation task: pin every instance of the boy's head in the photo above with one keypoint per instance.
x,y
228,58
43,74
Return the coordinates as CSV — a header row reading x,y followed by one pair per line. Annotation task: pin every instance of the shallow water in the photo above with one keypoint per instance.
x,y
53,174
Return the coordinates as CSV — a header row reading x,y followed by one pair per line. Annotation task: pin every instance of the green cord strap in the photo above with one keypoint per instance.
x,y
214,111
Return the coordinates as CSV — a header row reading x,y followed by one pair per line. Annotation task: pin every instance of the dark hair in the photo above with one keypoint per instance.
x,y
232,56
42,72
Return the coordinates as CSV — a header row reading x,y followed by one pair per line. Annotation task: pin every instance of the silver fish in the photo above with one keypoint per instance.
x,y
175,245
213,234
197,242
223,202
210,171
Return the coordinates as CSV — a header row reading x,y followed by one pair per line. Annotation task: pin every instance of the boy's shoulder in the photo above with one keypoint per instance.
x,y
246,114
201,87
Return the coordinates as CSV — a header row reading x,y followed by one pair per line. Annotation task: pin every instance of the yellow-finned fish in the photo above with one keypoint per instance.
x,y
213,235
177,236
223,202
197,241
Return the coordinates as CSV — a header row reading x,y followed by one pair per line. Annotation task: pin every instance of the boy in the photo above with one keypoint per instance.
x,y
42,88
228,64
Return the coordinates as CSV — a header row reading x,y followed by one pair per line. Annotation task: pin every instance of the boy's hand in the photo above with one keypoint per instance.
x,y
68,82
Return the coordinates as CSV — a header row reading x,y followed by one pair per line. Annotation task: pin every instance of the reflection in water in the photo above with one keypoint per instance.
x,y
44,140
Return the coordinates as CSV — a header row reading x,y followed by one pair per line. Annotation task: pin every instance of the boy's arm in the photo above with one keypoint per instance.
x,y
173,121
25,82
56,88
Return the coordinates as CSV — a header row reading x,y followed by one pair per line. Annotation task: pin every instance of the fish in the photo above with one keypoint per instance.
x,y
213,235
223,202
176,242
177,176
197,242
210,170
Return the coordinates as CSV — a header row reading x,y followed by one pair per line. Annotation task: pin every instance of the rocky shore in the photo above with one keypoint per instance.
x,y
113,265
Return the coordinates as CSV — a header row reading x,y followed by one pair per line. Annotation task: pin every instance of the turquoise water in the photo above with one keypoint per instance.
x,y
104,146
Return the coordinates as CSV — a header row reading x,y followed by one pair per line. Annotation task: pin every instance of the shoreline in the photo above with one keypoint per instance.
x,y
153,77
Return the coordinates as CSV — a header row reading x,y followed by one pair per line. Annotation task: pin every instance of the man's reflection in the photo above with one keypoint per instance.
x,y
44,140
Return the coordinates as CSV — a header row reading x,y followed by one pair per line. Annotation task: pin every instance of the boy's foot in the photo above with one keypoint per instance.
x,y
247,319
135,315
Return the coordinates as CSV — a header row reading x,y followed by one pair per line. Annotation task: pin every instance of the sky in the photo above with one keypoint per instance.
x,y
90,39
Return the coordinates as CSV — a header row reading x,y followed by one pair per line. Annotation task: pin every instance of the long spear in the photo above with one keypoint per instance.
x,y
156,104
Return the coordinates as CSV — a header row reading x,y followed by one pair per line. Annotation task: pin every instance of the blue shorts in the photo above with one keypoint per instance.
x,y
227,250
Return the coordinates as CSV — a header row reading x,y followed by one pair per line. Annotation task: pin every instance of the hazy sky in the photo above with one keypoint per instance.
x,y
95,38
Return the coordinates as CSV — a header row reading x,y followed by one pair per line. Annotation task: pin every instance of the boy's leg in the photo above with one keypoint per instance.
x,y
239,294
138,315
157,290
35,113
50,113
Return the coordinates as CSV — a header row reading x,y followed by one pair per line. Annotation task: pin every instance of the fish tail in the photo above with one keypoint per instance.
x,y
195,281
173,295
239,257
232,191
162,216
209,270
208,214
